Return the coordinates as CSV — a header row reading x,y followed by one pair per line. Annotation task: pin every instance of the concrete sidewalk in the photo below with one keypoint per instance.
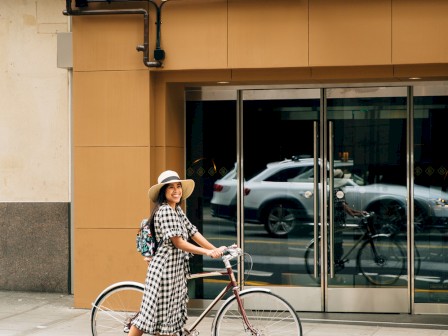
x,y
23,313
49,314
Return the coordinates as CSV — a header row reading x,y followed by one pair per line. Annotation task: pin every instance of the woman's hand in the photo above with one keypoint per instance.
x,y
147,259
217,252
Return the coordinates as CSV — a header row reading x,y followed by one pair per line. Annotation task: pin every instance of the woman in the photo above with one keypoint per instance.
x,y
164,305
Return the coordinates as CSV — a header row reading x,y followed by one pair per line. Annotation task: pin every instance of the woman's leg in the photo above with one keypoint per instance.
x,y
135,331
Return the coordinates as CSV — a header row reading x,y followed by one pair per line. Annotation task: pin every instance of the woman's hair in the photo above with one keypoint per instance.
x,y
161,198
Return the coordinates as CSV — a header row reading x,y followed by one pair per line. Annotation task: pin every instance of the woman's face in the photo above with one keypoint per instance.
x,y
173,193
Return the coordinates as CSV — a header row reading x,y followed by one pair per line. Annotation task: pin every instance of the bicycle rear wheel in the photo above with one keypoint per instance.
x,y
114,307
381,260
267,313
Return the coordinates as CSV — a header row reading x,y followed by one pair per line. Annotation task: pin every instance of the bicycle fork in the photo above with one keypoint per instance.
x,y
233,285
376,257
236,293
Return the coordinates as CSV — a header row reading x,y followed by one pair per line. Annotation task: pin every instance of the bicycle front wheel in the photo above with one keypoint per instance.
x,y
114,308
381,260
267,314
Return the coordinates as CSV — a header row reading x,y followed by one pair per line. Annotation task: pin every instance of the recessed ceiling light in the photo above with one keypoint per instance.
x,y
414,78
223,82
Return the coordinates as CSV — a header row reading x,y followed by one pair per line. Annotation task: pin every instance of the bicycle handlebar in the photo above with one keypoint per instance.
x,y
369,214
231,252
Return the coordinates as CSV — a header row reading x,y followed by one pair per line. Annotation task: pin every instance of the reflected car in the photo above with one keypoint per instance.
x,y
281,197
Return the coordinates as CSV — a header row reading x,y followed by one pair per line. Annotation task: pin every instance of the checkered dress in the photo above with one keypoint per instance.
x,y
164,304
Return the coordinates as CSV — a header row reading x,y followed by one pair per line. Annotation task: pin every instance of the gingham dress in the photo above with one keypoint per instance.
x,y
164,304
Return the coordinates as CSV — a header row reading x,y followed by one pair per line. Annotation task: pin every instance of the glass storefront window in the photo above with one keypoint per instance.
x,y
282,135
211,153
430,196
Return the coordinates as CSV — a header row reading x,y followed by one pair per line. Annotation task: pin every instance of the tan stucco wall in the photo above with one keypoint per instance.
x,y
34,116
129,120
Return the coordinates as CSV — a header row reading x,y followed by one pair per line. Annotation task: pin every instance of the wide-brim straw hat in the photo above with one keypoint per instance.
x,y
170,176
339,179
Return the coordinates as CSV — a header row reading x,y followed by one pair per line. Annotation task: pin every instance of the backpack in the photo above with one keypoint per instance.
x,y
146,238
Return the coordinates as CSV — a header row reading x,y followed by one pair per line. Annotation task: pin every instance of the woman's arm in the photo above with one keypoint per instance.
x,y
353,212
208,250
202,241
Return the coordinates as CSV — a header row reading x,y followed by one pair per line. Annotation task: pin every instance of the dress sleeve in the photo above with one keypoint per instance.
x,y
191,228
170,225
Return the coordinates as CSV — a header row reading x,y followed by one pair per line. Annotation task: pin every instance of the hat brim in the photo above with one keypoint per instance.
x,y
187,189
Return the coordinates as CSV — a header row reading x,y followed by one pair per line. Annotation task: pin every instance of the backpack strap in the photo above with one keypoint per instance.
x,y
152,229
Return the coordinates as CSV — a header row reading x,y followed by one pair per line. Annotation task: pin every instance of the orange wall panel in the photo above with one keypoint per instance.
x,y
424,71
193,76
419,31
268,33
175,116
107,42
163,158
168,124
194,34
355,73
350,32
112,108
272,75
103,257
129,120
110,186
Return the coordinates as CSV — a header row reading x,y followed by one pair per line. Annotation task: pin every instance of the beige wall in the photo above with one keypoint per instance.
x,y
34,115
129,120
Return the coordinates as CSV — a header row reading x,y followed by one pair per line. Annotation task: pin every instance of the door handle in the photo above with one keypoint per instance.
x,y
315,198
330,196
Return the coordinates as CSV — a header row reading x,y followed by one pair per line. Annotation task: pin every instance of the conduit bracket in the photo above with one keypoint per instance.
x,y
159,54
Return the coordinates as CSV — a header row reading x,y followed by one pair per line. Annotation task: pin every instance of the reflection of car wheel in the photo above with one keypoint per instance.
x,y
279,219
421,219
390,216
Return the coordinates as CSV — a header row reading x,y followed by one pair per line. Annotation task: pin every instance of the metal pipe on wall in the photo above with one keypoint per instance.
x,y
140,11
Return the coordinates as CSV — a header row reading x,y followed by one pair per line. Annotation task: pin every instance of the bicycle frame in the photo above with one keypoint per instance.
x,y
368,234
232,285
365,236
112,311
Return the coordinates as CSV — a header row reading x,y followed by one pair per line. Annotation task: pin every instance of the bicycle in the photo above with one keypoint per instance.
x,y
254,311
380,258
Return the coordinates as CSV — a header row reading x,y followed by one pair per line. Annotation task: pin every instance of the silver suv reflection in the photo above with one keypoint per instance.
x,y
281,198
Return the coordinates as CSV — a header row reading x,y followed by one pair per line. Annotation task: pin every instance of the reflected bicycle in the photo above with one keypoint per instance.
x,y
249,312
380,258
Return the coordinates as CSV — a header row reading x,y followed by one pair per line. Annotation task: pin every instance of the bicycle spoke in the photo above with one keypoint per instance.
x,y
114,308
381,260
267,314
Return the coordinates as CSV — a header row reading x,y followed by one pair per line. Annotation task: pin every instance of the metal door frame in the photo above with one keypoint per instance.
x,y
234,92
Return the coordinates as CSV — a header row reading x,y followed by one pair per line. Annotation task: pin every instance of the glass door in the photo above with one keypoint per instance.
x,y
291,175
367,206
430,191
279,147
